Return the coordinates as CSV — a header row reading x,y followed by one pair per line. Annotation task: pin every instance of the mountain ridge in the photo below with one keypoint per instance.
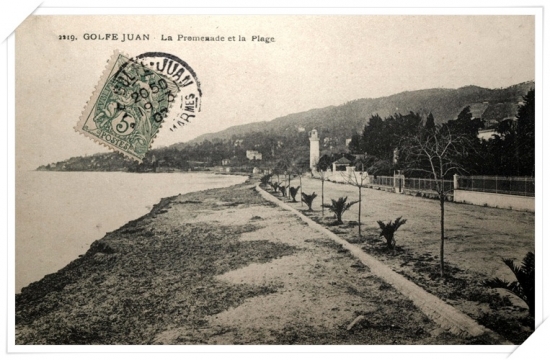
x,y
340,121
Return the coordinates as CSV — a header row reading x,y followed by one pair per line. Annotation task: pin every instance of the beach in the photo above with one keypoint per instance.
x,y
221,266
60,214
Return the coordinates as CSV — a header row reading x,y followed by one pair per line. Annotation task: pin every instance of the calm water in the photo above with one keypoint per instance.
x,y
59,214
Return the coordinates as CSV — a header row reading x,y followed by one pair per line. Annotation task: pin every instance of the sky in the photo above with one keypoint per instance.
x,y
314,62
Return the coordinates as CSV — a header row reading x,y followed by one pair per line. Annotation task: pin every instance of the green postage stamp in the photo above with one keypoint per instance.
x,y
133,98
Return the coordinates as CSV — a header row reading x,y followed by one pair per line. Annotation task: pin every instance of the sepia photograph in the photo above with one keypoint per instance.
x,y
291,179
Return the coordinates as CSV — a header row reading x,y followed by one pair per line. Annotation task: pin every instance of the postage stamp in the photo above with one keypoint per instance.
x,y
129,106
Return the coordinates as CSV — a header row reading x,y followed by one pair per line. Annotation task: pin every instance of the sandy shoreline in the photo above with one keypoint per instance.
x,y
219,266
60,214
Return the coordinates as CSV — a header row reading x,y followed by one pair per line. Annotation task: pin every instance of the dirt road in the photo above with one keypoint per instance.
x,y
476,237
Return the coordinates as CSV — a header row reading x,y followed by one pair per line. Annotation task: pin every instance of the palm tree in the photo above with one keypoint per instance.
x,y
389,229
308,199
275,186
524,286
339,207
293,191
282,188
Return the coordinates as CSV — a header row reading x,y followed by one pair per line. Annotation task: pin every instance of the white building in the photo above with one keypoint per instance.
x,y
486,134
253,155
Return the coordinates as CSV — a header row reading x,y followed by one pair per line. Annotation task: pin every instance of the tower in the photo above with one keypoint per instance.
x,y
313,148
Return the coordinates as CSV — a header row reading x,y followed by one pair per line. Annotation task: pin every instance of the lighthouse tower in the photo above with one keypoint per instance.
x,y
313,148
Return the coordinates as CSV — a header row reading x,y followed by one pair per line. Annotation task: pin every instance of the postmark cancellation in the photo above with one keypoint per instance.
x,y
130,103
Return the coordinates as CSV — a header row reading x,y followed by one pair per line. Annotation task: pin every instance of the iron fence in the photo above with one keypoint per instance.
x,y
522,186
381,180
427,185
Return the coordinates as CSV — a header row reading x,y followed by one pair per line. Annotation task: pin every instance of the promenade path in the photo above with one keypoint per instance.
x,y
477,237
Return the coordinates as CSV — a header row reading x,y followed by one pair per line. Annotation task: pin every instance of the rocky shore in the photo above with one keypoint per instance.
x,y
219,266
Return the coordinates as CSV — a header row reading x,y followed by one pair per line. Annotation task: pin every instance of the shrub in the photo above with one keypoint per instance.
x,y
389,229
282,188
524,286
339,207
308,199
293,192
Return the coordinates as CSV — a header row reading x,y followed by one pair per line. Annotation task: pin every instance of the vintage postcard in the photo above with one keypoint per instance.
x,y
275,179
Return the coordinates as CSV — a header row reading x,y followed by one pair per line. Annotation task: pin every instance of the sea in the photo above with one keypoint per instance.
x,y
59,214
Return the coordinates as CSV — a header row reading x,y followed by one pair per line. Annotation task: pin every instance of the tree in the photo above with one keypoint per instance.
x,y
524,287
308,199
430,122
284,167
526,134
381,136
511,152
277,171
274,186
502,149
299,166
355,145
358,181
389,229
438,153
375,137
265,179
339,207
293,191
400,126
465,115
465,124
